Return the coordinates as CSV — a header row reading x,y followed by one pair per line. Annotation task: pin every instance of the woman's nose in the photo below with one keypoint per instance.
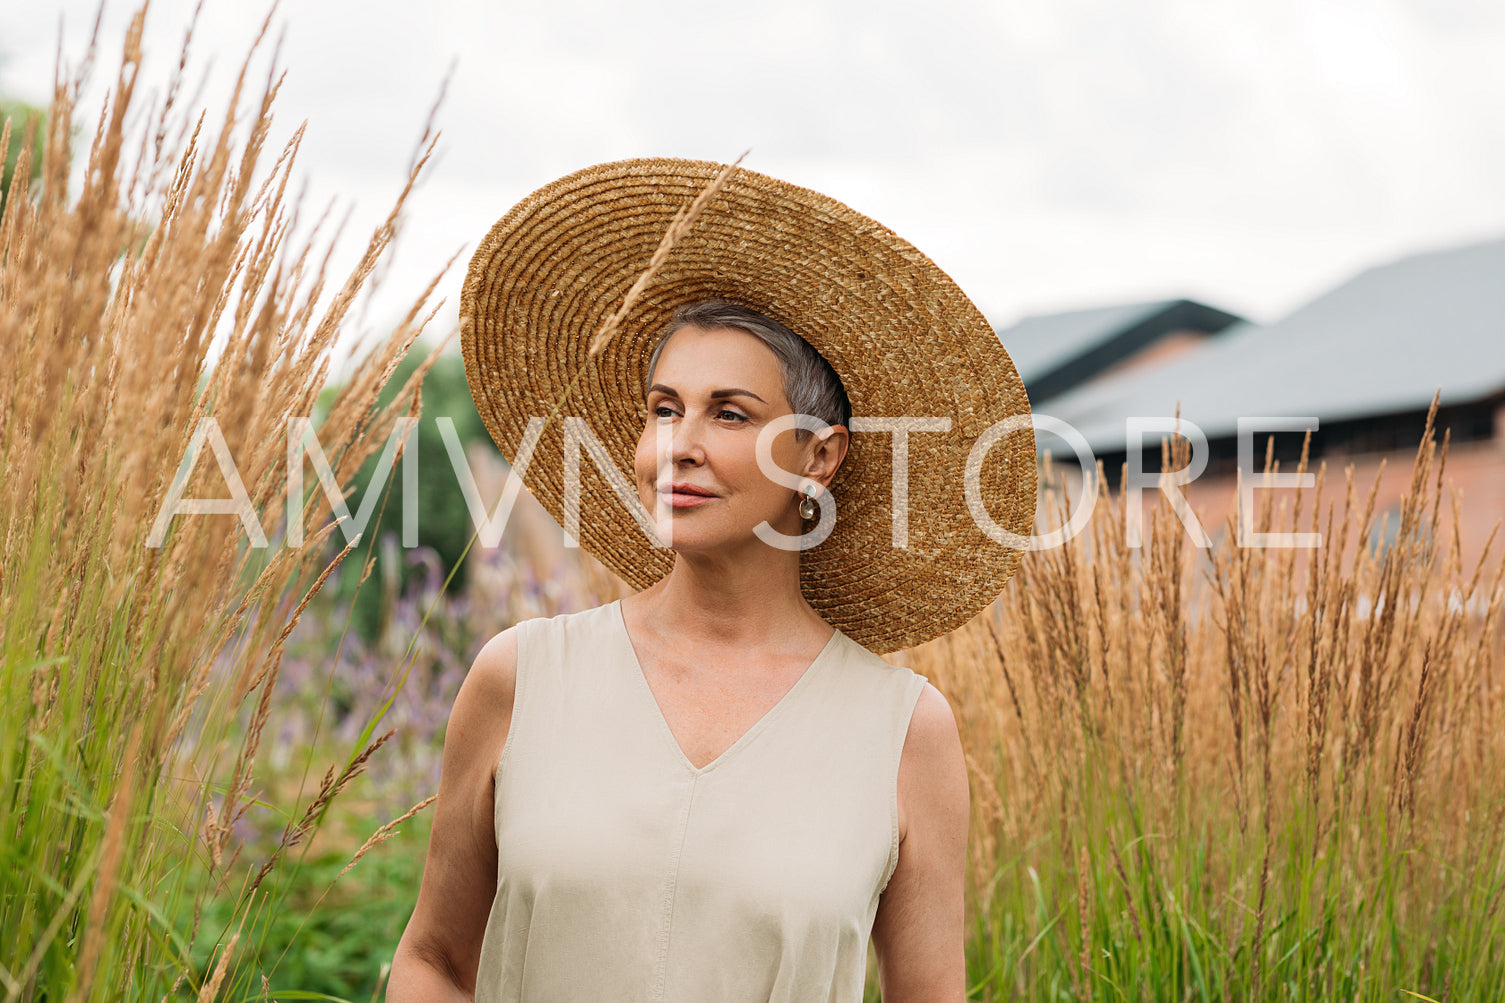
x,y
679,442
687,445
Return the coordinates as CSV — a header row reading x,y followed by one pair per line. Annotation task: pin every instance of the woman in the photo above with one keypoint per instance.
x,y
711,790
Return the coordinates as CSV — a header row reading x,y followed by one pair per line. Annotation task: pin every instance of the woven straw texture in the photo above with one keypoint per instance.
x,y
903,337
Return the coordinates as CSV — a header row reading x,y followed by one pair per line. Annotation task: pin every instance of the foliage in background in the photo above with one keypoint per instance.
x,y
20,125
443,521
332,931
137,682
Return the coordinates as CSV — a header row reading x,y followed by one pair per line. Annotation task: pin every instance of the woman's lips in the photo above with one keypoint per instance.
x,y
677,500
685,495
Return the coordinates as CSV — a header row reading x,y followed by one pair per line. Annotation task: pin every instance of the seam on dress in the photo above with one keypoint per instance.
x,y
518,678
489,991
916,686
661,977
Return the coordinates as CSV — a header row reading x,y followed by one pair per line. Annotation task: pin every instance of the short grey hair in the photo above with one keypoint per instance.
x,y
810,384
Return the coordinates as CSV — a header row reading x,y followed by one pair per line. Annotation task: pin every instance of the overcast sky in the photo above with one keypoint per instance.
x,y
1047,155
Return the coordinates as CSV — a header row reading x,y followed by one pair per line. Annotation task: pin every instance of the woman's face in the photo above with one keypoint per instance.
x,y
719,389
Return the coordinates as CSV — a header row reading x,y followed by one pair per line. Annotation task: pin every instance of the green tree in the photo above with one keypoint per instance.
x,y
444,522
23,119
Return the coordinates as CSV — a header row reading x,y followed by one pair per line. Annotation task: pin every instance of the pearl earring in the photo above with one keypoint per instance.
x,y
807,503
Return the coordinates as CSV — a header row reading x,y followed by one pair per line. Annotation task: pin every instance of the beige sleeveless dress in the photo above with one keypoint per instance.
x,y
625,873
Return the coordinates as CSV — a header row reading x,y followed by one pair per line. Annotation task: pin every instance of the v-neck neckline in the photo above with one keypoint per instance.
x,y
743,739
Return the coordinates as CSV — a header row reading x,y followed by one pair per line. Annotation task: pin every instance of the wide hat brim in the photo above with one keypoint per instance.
x,y
903,337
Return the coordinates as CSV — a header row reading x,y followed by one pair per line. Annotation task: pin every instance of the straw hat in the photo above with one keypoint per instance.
x,y
902,336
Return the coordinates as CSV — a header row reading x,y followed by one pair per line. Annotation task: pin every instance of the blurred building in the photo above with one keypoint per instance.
x,y
1058,352
1364,359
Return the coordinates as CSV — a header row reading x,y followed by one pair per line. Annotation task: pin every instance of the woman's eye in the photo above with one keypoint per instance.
x,y
664,411
734,415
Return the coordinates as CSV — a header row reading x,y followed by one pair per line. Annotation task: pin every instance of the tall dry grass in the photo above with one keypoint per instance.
x,y
179,281
1243,773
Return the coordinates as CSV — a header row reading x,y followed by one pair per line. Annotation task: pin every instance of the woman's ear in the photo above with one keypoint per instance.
x,y
829,448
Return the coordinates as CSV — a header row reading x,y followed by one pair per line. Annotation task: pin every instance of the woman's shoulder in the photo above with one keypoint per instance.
x,y
492,679
537,637
569,623
599,612
869,662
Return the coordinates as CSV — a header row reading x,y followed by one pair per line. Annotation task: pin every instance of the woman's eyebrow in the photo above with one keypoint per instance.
x,y
735,392
715,394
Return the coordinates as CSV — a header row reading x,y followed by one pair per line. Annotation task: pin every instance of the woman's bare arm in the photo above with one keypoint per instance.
x,y
437,957
918,932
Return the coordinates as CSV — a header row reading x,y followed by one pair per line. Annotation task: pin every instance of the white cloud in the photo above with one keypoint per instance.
x,y
1047,155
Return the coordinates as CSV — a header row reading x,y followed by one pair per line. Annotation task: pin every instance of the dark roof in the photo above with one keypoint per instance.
x,y
1381,343
1057,351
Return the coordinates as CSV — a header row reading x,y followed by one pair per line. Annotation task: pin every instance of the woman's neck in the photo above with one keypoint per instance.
x,y
746,599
